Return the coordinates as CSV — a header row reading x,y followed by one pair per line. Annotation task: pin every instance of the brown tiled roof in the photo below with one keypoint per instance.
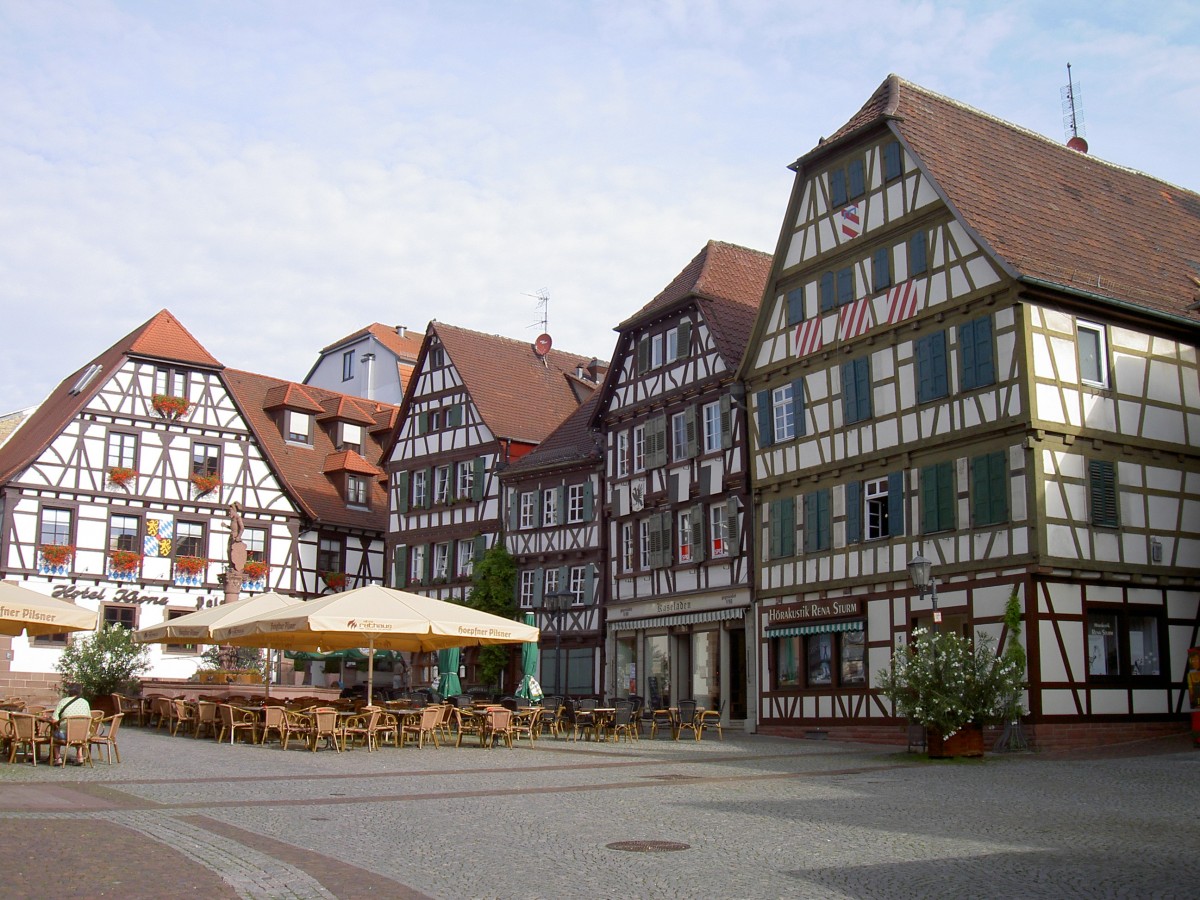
x,y
346,408
293,396
572,442
406,347
302,469
519,395
157,338
1048,213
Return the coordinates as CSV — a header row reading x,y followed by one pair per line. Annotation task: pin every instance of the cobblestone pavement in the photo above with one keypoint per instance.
x,y
757,817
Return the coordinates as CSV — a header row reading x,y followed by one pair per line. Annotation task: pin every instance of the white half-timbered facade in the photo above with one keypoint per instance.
x,y
116,495
933,372
676,490
476,403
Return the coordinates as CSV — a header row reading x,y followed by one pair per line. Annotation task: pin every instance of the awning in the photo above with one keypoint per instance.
x,y
821,628
709,615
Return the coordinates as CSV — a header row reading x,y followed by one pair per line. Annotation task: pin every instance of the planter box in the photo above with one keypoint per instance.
x,y
217,677
967,741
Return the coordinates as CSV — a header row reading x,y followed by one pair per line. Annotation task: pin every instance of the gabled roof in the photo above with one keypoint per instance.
x,y
292,396
162,337
1048,214
302,469
406,346
573,442
345,408
519,395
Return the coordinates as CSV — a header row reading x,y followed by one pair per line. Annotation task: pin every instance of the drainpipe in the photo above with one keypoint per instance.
x,y
368,361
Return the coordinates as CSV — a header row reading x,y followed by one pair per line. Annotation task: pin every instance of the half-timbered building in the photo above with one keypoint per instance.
x,y
115,492
477,403
980,346
553,531
677,491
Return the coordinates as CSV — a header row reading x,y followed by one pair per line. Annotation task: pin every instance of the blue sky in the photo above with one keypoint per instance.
x,y
280,174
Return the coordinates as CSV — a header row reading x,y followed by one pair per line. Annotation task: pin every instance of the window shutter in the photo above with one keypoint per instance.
x,y
828,296
881,271
401,492
845,286
975,353
589,584
858,183
564,578
428,488
689,427
704,477
896,503
854,512
766,423
683,347
698,533
539,580
891,160
479,549
941,383
917,260
400,566
423,426
726,421
731,524
837,187
775,530
514,510
454,416
795,306
589,501
656,442
981,486
477,482
811,513
643,354
1102,486
427,575
560,494
945,496
798,406
849,398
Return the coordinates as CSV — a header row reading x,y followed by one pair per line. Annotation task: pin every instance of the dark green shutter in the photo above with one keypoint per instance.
x,y
795,306
946,496
683,347
811,530
731,525
454,416
726,421
766,422
896,503
401,493
514,510
480,548
854,512
698,533
428,488
589,501
1102,490
427,574
477,480
881,270
589,584
689,427
400,566
798,406
539,580
560,495
828,296
643,354
917,257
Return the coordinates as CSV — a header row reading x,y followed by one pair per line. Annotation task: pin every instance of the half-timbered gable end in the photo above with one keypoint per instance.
x,y
476,403
676,495
978,345
552,529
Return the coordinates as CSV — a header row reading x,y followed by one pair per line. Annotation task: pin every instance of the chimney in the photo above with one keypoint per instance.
x,y
597,369
368,361
401,330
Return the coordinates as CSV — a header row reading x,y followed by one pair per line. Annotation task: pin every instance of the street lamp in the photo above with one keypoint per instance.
x,y
556,603
920,575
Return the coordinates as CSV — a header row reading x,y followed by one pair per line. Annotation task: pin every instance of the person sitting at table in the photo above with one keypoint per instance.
x,y
73,703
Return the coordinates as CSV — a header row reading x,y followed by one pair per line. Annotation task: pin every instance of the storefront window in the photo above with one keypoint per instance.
x,y
787,662
823,660
706,668
819,653
626,667
658,671
851,653
1122,643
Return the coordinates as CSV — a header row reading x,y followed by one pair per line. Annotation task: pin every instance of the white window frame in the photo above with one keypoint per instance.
x,y
644,544
578,584
683,522
466,558
718,531
416,568
419,489
441,560
466,479
574,504
639,448
356,490
528,579
550,582
527,508
441,484
875,509
656,351
783,413
712,427
550,508
679,445
671,352
627,546
622,451
1098,333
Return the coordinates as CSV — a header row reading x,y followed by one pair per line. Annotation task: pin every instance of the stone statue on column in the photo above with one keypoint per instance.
x,y
234,572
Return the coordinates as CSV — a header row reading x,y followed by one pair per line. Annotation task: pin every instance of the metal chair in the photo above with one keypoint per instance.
x,y
686,719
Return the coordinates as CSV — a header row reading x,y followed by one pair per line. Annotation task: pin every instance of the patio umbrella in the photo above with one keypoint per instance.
x,y
529,687
382,619
448,683
24,610
198,627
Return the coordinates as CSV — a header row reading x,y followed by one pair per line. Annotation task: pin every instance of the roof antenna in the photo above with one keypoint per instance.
x,y
542,344
1072,107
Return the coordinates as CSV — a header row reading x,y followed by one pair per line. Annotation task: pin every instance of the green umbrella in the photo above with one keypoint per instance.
x,y
448,683
529,687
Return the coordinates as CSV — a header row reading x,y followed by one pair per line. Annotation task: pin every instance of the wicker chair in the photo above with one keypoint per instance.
x,y
272,722
296,725
183,717
106,736
711,718
425,726
28,732
687,719
497,722
525,723
362,728
325,725
76,731
623,721
206,718
233,719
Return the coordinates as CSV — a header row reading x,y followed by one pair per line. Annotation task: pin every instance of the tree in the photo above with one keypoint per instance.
x,y
104,662
493,582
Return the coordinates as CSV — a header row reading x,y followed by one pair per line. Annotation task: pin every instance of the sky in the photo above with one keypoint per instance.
x,y
281,174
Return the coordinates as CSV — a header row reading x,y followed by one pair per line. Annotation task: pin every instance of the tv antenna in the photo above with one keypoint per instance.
x,y
1072,107
543,343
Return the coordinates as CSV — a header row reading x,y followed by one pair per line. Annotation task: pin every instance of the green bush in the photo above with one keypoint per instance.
x,y
105,662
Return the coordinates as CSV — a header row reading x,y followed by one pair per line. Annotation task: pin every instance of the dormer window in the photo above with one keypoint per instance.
x,y
298,426
351,437
356,490
170,382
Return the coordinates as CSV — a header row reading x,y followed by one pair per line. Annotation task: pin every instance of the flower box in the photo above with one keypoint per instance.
x,y
254,570
119,476
205,483
124,562
334,580
170,407
191,565
56,555
967,741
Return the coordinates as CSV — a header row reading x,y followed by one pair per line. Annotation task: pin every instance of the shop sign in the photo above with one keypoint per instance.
x,y
139,594
819,609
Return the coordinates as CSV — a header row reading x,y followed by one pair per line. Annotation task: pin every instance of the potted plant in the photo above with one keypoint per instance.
x,y
56,556
254,570
104,663
334,580
124,562
119,476
948,685
204,483
191,566
170,407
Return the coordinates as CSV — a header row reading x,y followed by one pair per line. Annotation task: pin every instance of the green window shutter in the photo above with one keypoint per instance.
x,y
726,421
683,347
766,422
539,581
689,427
654,536
539,508
401,493
589,501
428,488
731,524
423,426
400,566
427,575
477,482
854,512
564,578
856,390
858,183
989,489
788,528
828,295
514,509
560,494
929,520
798,406
1102,492
932,377
976,357
698,532
896,503
845,285
945,496
643,354
811,528
775,530
795,306
480,548
454,416
837,187
589,584
656,442
881,270
918,262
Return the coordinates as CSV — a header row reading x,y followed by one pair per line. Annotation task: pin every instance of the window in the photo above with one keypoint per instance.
x,y
655,442
1093,358
644,544
466,479
348,365
781,528
1102,493
713,440
575,503
817,521
893,166
255,540
661,527
435,419
1125,643
795,306
206,459
527,509
854,173
527,585
718,530
856,390
656,351
122,450
329,554
831,659
937,497
189,540
918,262
780,413
627,547
783,414
578,586
466,558
845,286
125,533
875,508
441,484
125,616
876,496
420,490
441,560
549,507
679,437
437,357
55,526
672,348
417,572
933,379
881,269
622,454
170,382
350,436
356,490
989,489
639,448
551,581
299,426
684,540
976,358
179,648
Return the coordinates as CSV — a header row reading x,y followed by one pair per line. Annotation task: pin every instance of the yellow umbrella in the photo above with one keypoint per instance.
x,y
24,610
377,618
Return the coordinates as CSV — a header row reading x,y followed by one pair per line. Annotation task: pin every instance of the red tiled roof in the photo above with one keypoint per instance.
x,y
1048,213
157,338
346,408
302,469
293,396
519,395
406,347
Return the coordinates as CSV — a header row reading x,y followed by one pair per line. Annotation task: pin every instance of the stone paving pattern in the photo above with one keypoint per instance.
x,y
762,817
